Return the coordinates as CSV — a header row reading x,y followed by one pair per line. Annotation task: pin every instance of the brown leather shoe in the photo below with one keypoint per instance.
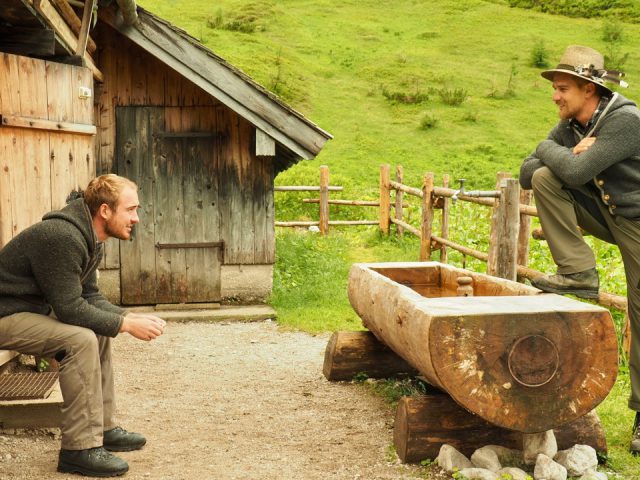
x,y
582,284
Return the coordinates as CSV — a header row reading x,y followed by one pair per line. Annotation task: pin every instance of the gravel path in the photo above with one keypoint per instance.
x,y
233,401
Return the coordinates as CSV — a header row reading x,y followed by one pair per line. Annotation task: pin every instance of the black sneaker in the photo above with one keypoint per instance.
x,y
582,284
119,440
92,462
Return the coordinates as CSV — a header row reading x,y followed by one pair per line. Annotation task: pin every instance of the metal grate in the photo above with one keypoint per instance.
x,y
27,386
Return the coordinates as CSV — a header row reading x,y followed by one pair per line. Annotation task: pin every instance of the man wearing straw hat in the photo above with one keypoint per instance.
x,y
586,174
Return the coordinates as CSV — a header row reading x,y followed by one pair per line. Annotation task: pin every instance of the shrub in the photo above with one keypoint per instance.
x,y
407,98
428,121
539,55
453,97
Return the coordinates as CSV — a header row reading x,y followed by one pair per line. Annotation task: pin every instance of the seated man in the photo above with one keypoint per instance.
x,y
586,173
50,306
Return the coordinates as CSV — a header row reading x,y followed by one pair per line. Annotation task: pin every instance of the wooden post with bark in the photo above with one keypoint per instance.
x,y
503,243
444,232
524,231
427,217
399,199
324,199
385,199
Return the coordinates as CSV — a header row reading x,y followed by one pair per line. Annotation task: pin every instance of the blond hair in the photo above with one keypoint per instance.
x,y
106,189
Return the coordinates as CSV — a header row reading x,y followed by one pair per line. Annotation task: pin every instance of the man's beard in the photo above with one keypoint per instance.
x,y
113,233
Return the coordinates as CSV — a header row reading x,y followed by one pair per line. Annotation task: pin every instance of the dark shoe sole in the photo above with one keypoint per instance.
x,y
588,294
64,468
115,448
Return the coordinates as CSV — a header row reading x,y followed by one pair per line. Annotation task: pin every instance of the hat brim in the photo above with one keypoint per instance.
x,y
549,74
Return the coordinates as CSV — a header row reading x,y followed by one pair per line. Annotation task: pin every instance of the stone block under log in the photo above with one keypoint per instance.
x,y
350,353
424,423
519,359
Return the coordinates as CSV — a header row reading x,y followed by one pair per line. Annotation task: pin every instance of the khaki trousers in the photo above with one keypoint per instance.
x,y
561,212
86,374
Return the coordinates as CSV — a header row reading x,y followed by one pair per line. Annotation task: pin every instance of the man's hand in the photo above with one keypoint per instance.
x,y
584,145
143,326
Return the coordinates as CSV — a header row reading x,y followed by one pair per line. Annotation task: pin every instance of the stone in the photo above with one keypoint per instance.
x,y
577,459
508,456
547,469
534,444
486,458
515,473
479,474
594,475
450,458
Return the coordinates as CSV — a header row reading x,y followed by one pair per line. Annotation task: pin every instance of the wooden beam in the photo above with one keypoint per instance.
x,y
83,36
74,22
64,33
27,41
265,145
16,121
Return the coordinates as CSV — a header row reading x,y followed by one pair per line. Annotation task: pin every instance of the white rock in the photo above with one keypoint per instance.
x,y
479,474
534,444
516,473
578,459
314,229
594,475
508,456
547,469
450,458
486,458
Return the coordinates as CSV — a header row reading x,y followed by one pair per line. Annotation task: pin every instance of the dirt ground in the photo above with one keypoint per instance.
x,y
232,401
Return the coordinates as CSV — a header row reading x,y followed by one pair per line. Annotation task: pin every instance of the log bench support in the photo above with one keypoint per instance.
x,y
424,423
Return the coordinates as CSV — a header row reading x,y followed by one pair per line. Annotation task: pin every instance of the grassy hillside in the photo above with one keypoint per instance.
x,y
445,86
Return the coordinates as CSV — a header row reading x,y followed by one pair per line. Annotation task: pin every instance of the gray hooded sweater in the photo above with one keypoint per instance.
x,y
611,166
52,265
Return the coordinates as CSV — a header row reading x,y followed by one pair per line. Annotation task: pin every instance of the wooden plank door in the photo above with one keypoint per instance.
x,y
175,255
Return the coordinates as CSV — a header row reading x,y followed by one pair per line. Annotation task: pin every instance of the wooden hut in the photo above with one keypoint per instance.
x,y
142,98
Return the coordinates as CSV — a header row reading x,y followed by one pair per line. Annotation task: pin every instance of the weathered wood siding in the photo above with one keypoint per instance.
x,y
38,168
244,182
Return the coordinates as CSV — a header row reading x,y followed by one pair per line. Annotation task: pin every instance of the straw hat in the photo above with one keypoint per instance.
x,y
586,63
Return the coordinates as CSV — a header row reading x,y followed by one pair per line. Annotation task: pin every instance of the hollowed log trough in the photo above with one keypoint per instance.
x,y
520,359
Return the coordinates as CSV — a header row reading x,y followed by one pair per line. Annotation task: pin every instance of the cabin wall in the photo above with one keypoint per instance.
x,y
40,166
132,77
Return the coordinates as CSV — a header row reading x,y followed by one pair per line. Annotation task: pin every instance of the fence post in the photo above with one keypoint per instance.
x,y
446,204
525,231
385,199
495,231
324,199
506,232
399,199
427,217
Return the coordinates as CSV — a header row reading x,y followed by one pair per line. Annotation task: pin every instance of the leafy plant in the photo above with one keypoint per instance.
x,y
428,121
453,97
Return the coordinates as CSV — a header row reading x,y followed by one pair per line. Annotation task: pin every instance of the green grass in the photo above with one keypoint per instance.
x,y
447,86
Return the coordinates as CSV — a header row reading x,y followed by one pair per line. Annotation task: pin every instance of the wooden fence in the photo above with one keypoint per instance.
x,y
508,251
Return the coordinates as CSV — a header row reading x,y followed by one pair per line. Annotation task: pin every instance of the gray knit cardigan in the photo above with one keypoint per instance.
x,y
612,164
52,266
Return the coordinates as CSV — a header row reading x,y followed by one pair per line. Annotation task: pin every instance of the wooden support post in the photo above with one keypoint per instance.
x,y
503,247
385,200
350,353
446,205
324,199
423,424
83,34
492,265
399,198
626,335
427,217
524,231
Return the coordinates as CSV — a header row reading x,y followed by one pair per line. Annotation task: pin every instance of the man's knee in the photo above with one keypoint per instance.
x,y
543,176
82,340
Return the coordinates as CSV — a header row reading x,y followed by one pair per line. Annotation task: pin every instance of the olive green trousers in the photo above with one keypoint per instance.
x,y
86,374
561,211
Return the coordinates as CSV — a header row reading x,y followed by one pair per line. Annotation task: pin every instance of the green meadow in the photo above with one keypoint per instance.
x,y
450,87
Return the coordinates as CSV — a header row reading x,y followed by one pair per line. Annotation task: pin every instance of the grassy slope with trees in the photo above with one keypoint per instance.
x,y
444,86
